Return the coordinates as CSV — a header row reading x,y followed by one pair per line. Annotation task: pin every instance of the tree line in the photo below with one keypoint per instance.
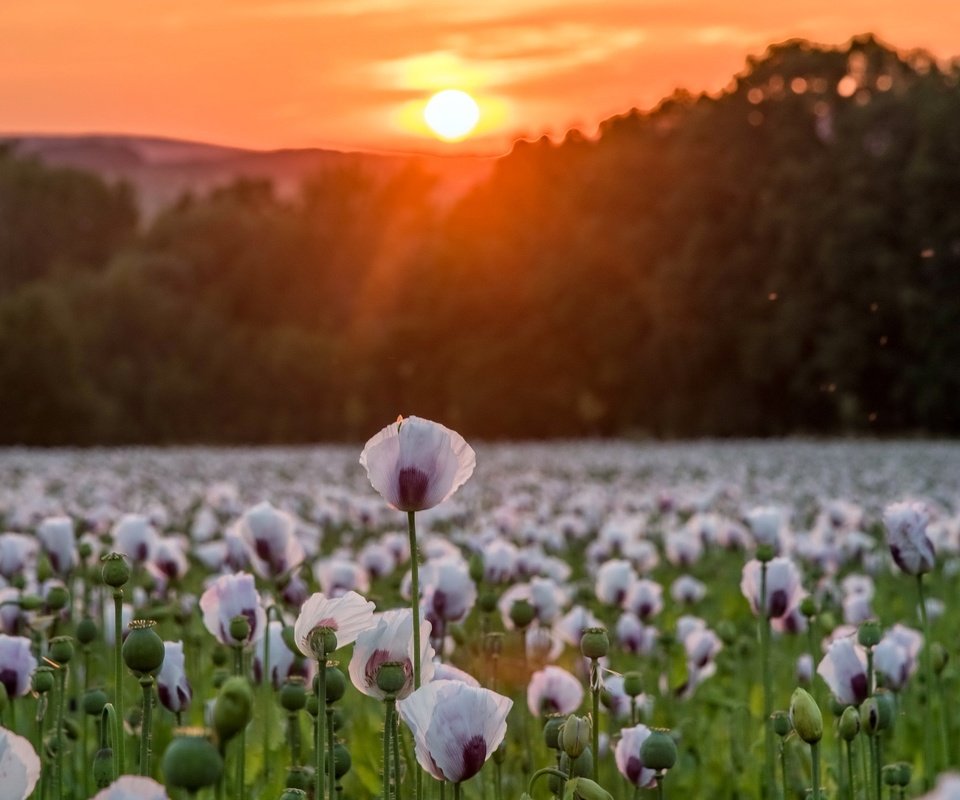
x,y
781,258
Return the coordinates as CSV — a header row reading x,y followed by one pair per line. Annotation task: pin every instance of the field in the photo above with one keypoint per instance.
x,y
541,543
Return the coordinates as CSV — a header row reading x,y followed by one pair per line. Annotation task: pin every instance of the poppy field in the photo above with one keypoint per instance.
x,y
422,618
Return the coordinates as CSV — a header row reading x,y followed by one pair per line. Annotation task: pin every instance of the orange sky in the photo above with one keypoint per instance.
x,y
354,74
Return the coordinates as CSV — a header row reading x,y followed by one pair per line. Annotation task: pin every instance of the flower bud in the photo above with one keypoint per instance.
x,y
114,571
391,677
487,601
143,649
890,774
595,643
870,716
289,636
582,765
191,762
61,649
57,598
904,773
293,694
522,613
300,778
765,553
659,751
551,731
233,709
632,684
86,631
805,716
781,723
293,794
869,633
103,767
808,607
849,724
585,789
336,683
43,679
94,701
888,708
341,760
239,628
574,735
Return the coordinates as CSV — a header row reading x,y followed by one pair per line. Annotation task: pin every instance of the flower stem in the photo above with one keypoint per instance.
x,y
783,768
415,608
63,702
659,779
321,727
146,728
850,779
930,768
387,727
331,772
118,672
595,728
815,756
268,690
768,778
395,736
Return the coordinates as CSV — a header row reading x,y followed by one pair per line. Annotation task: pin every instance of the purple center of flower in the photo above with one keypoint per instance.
x,y
474,754
9,679
778,603
858,685
634,770
412,484
439,604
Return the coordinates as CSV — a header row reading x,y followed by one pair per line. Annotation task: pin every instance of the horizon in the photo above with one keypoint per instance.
x,y
353,75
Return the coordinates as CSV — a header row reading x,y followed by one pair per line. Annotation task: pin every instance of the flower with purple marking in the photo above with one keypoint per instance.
x,y
173,688
844,668
627,755
17,664
19,766
346,616
233,596
911,548
783,591
390,640
553,690
455,727
416,464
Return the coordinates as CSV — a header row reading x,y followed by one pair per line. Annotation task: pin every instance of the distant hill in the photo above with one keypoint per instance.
x,y
162,169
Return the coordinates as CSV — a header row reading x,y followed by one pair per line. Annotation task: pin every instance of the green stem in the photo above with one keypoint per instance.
x,y
387,727
331,772
146,729
783,768
767,686
268,689
63,702
293,735
395,736
930,767
876,786
456,791
815,755
850,779
659,779
878,765
118,672
110,722
545,771
595,728
415,608
321,728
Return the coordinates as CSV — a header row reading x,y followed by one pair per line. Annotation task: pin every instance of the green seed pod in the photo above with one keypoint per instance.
x,y
391,677
299,778
30,602
191,762
551,731
808,607
86,631
870,716
849,724
522,613
765,553
805,716
61,649
938,657
94,701
904,773
293,794
341,760
827,620
233,709
84,550
869,633
632,684
338,718
781,723
323,640
487,601
42,679
240,628
574,735
293,694
313,705
659,751
595,643
220,657
143,648
891,775
103,767
219,677
114,571
888,708
582,765
57,598
336,683
585,789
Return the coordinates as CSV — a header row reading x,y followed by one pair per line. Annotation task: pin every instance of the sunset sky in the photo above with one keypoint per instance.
x,y
356,74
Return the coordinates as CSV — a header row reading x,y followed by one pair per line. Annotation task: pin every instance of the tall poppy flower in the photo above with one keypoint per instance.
x,y
627,755
455,727
346,616
390,640
233,596
911,548
19,765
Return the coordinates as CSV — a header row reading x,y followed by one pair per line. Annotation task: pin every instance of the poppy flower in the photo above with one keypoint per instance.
x,y
895,658
132,787
173,688
283,663
347,616
614,580
270,536
233,596
17,664
455,727
553,690
784,590
19,765
59,543
391,639
627,756
416,464
911,548
844,668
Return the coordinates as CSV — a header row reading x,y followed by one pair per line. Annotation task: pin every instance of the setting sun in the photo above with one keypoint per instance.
x,y
451,114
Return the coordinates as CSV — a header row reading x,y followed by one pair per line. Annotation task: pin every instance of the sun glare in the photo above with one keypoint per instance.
x,y
451,114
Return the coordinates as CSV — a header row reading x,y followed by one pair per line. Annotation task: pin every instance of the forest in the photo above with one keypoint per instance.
x,y
782,258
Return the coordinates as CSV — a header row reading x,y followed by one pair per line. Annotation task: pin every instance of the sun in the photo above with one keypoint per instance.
x,y
451,114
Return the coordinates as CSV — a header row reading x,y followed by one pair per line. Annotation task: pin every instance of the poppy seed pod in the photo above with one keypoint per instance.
x,y
805,716
239,628
57,598
43,679
391,677
595,643
887,707
341,760
86,631
551,731
336,683
522,613
574,735
300,778
30,602
293,694
632,683
191,762
869,633
233,709
781,723
143,648
103,767
808,607
61,649
114,571
293,794
658,751
94,701
765,553
890,774
585,789
849,724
